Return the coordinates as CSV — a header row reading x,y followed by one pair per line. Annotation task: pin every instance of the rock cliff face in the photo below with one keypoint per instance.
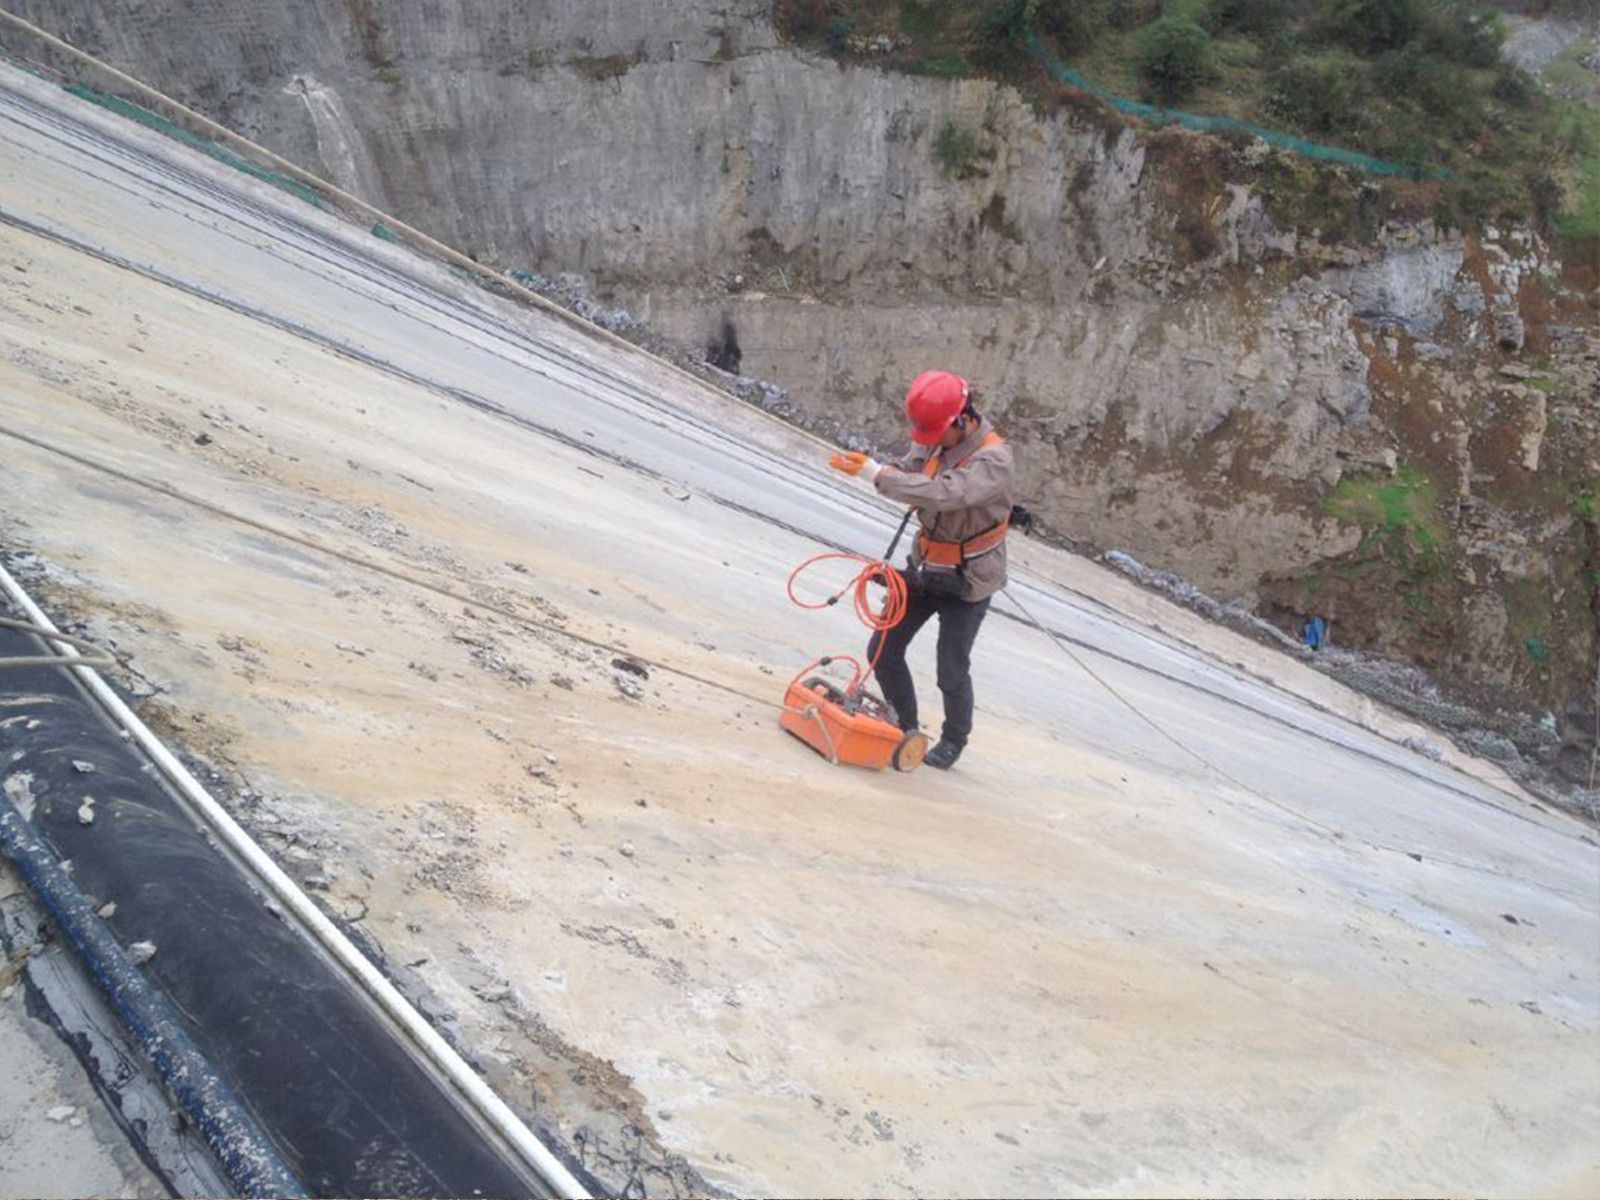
x,y
1399,433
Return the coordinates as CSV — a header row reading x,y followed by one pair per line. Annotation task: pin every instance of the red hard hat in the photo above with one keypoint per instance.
x,y
933,402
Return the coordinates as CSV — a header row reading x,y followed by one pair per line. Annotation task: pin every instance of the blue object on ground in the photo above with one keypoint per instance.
x,y
1316,633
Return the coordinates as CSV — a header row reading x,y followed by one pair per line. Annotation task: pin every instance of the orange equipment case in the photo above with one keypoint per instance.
x,y
849,729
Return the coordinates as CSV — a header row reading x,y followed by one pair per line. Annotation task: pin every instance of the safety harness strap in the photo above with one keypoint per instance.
x,y
953,554
931,467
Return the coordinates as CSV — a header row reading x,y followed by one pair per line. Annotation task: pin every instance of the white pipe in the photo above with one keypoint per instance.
x,y
477,1094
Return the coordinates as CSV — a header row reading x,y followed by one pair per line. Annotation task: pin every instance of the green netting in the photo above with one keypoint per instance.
x,y
22,64
126,108
1213,124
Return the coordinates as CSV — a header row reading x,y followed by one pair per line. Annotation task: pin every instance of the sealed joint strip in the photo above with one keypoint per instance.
x,y
248,1157
472,1091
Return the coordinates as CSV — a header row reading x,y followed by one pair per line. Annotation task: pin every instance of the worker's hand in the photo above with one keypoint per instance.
x,y
853,462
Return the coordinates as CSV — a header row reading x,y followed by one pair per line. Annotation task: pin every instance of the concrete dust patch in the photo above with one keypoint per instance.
x,y
19,790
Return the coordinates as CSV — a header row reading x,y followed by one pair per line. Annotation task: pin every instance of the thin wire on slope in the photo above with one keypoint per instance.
x,y
684,672
551,627
1305,818
1122,699
368,564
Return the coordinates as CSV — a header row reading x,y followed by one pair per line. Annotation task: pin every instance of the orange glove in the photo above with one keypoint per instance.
x,y
850,462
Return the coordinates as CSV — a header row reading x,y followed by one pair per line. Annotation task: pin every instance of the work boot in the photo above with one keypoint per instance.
x,y
943,756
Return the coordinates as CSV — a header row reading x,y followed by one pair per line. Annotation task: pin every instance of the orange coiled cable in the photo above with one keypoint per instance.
x,y
879,618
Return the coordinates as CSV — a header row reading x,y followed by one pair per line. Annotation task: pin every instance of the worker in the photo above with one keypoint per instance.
x,y
958,478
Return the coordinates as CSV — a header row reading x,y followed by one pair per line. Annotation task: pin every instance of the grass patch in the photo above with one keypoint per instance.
x,y
945,66
1581,220
1406,502
1400,515
1405,538
922,19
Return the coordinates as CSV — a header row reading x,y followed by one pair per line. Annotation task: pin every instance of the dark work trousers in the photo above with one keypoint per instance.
x,y
958,629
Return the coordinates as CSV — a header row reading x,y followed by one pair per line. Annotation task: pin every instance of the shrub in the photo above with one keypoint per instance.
x,y
1512,85
958,151
946,66
1075,24
1011,19
1315,94
920,18
804,19
1468,34
1435,86
1133,14
1280,45
1254,17
1375,25
1002,32
1174,57
1196,12
836,34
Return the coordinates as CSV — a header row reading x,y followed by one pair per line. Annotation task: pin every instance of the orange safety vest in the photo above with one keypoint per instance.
x,y
953,554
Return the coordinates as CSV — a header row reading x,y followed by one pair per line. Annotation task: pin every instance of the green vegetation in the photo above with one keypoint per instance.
x,y
1313,92
1415,82
1406,502
1404,531
1529,616
1401,516
1582,219
1174,57
959,151
946,66
1374,25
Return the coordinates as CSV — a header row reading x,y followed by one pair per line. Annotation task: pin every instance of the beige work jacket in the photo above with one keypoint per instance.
x,y
968,495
